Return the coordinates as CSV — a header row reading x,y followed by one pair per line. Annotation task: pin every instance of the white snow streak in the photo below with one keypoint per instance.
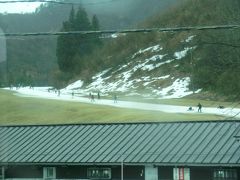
x,y
43,92
155,48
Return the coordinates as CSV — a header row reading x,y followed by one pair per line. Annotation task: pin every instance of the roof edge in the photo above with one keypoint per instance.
x,y
121,123
125,164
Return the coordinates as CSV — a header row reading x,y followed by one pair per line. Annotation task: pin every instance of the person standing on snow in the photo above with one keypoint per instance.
x,y
199,107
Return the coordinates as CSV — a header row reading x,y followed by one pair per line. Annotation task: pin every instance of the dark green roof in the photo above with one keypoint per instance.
x,y
175,143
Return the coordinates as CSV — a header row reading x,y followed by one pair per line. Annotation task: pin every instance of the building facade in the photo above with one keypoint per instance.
x,y
205,150
33,172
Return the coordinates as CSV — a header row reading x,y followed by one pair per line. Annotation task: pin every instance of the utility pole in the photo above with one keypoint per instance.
x,y
122,161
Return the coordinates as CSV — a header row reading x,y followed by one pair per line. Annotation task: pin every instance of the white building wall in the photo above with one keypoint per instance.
x,y
151,173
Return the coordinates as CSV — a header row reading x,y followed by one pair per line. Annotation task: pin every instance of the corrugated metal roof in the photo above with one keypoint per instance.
x,y
175,143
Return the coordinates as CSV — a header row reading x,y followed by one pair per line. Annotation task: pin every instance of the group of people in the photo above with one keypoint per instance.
x,y
92,98
199,108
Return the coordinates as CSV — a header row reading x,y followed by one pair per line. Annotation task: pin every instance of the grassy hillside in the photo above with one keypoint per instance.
x,y
214,61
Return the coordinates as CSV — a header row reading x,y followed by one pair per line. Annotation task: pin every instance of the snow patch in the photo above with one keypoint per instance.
x,y
181,54
178,89
152,80
155,48
166,62
190,38
75,85
101,73
162,77
114,36
145,66
156,57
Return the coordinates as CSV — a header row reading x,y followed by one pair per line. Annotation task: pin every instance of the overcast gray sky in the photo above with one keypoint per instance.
x,y
18,7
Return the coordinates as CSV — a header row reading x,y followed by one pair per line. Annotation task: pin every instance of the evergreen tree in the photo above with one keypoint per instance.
x,y
71,18
82,23
95,23
65,44
96,27
71,48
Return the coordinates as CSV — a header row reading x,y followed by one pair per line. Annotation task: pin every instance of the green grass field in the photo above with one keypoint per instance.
x,y
16,110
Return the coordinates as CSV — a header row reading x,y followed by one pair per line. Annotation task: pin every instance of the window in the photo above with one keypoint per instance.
x,y
225,174
99,173
49,173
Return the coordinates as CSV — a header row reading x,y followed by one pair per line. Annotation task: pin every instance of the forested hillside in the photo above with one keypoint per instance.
x,y
213,56
216,58
32,60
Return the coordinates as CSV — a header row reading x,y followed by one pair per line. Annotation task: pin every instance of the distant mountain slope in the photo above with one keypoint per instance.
x,y
33,59
208,60
115,14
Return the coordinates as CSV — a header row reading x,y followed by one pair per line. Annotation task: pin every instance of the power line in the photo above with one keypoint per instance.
x,y
147,30
54,2
31,1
